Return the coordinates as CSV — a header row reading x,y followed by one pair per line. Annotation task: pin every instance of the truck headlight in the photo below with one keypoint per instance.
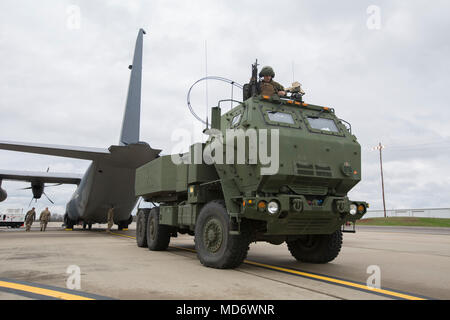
x,y
273,207
353,209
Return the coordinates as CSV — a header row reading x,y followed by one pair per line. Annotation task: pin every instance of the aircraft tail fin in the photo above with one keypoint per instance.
x,y
132,115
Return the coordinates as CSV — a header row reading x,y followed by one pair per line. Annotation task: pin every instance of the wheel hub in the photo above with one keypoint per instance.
x,y
213,235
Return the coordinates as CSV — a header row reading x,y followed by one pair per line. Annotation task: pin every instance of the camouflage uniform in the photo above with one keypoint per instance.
x,y
110,219
44,218
29,218
269,88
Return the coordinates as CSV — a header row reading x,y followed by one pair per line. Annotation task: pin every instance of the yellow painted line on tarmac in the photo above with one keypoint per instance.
x,y
186,249
42,291
122,235
336,281
315,276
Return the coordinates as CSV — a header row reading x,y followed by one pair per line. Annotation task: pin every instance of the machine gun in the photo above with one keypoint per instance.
x,y
251,89
254,79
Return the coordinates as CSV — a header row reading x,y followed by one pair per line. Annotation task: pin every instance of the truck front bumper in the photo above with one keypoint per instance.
x,y
296,215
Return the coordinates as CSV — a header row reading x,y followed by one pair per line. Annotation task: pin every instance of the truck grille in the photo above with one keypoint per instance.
x,y
309,225
304,169
309,190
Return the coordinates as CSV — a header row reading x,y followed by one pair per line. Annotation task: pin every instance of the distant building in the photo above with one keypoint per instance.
x,y
420,213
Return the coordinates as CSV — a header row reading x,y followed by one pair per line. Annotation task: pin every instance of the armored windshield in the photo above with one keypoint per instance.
x,y
281,117
323,124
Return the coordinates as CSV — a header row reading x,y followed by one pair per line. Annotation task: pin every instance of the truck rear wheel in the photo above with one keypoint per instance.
x,y
141,227
158,236
316,248
215,247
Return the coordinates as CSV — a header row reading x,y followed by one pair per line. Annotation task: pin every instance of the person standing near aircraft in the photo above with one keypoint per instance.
x,y
110,218
44,218
29,218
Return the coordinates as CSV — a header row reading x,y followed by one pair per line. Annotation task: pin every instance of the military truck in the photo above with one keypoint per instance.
x,y
226,205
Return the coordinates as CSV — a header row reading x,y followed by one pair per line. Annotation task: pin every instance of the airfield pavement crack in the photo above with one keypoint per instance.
x,y
400,251
290,284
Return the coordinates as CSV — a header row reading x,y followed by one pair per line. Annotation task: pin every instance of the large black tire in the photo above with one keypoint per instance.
x,y
141,227
158,235
216,248
320,248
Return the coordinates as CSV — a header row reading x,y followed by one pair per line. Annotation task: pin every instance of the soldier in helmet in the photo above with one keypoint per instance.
x,y
44,218
29,218
267,86
110,219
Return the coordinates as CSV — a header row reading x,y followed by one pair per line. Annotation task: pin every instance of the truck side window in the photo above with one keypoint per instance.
x,y
236,120
323,124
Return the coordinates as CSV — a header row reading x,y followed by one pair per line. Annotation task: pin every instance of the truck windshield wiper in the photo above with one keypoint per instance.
x,y
318,115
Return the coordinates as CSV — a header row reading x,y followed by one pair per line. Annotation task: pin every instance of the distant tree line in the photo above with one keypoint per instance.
x,y
55,217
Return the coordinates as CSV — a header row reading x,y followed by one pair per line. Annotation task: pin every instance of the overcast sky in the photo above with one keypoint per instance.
x,y
383,65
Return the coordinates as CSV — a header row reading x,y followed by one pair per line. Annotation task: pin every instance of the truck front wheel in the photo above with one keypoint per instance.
x,y
215,247
158,236
316,248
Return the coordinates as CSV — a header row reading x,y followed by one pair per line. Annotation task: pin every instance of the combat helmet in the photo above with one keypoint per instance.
x,y
267,71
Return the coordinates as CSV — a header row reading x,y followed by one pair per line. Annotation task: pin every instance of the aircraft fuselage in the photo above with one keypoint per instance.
x,y
103,186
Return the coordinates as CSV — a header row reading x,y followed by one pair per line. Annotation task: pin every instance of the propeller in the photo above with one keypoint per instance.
x,y
31,202
38,189
48,197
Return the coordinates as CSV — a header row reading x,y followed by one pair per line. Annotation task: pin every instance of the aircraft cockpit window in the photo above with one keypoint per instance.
x,y
280,117
323,124
236,120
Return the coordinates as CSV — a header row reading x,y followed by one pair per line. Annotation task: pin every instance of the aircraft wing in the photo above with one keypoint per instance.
x,y
44,177
55,150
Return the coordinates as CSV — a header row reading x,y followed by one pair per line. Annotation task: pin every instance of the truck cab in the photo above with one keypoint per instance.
x,y
319,163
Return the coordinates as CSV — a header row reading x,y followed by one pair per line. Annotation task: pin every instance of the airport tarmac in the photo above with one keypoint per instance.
x,y
413,264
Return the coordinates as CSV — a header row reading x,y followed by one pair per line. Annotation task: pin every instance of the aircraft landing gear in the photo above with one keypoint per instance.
x,y
87,225
69,223
124,224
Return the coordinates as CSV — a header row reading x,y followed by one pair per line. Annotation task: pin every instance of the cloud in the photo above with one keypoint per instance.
x,y
68,87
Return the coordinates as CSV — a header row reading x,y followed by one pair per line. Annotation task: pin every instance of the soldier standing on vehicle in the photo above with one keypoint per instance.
x,y
268,87
29,218
110,218
44,218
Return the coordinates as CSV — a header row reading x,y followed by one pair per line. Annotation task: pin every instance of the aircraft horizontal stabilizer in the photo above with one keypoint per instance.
x,y
55,150
41,177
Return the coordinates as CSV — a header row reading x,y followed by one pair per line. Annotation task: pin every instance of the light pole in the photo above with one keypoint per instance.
x,y
380,147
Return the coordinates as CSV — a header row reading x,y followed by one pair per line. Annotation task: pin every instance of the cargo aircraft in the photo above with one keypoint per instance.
x,y
109,180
